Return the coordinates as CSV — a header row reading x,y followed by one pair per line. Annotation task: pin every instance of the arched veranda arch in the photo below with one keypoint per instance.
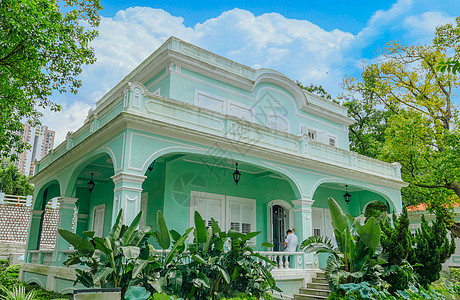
x,y
179,183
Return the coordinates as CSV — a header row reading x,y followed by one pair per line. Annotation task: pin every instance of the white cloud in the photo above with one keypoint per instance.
x,y
422,27
382,19
70,118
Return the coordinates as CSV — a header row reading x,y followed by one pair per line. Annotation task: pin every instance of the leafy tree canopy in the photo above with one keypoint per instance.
x,y
418,119
448,37
15,183
42,49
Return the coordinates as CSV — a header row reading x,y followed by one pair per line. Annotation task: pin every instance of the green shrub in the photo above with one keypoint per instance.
x,y
41,294
432,249
455,274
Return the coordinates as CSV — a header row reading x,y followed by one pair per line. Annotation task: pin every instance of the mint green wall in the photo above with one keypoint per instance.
x,y
102,194
164,85
218,181
357,203
154,185
262,99
323,193
154,78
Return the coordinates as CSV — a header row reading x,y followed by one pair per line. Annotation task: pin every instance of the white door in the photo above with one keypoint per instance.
x,y
98,220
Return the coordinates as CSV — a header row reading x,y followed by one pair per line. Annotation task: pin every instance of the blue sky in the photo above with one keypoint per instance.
x,y
312,41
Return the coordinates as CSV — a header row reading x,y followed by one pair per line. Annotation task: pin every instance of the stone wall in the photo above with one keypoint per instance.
x,y
14,228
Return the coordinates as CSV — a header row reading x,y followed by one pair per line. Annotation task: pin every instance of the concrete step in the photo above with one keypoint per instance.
x,y
316,292
319,280
308,297
321,275
318,286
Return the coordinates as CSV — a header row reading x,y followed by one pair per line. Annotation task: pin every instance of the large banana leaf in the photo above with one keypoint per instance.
x,y
339,219
116,229
81,244
200,231
370,233
129,233
162,234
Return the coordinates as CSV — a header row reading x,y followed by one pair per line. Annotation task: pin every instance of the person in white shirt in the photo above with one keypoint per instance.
x,y
291,244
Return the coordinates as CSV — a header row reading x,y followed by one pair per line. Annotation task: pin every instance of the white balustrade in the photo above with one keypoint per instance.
x,y
283,260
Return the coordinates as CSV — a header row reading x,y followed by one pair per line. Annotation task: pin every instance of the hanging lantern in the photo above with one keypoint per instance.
x,y
236,174
347,195
91,184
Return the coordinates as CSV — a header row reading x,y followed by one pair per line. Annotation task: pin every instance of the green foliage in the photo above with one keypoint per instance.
x,y
204,269
432,249
448,37
16,293
317,90
397,245
15,183
354,261
43,48
123,255
212,272
376,209
367,133
421,128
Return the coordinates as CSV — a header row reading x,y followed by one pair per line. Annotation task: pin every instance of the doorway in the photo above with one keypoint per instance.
x,y
279,217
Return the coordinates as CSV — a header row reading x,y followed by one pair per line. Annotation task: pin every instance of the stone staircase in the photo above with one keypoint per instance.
x,y
318,289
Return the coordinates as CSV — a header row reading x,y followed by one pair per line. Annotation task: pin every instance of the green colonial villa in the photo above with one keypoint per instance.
x,y
168,137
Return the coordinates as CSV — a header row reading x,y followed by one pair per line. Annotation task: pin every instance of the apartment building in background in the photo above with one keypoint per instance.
x,y
41,140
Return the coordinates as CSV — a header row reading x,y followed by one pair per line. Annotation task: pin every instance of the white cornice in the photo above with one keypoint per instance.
x,y
128,177
303,202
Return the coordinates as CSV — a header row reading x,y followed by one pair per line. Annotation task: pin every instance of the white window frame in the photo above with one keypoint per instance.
x,y
240,200
207,196
332,137
223,100
96,208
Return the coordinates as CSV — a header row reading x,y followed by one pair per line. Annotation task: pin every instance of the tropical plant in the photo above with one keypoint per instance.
x,y
121,255
16,293
211,271
354,261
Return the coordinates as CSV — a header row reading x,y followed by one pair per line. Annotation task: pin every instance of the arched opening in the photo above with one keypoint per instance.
x,y
180,183
95,201
359,197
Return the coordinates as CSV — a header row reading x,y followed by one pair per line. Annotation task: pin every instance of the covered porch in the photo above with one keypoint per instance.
x,y
179,183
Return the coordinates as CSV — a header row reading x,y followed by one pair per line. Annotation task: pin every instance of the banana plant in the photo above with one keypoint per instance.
x,y
120,257
356,254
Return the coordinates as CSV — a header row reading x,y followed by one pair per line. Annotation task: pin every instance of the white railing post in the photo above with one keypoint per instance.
x,y
2,197
29,200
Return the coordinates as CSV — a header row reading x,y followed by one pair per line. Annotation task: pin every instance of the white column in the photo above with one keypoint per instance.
x,y
127,195
303,224
66,211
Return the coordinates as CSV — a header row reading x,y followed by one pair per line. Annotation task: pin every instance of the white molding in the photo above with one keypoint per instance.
x,y
223,100
303,202
127,188
167,72
128,177
82,217
67,200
